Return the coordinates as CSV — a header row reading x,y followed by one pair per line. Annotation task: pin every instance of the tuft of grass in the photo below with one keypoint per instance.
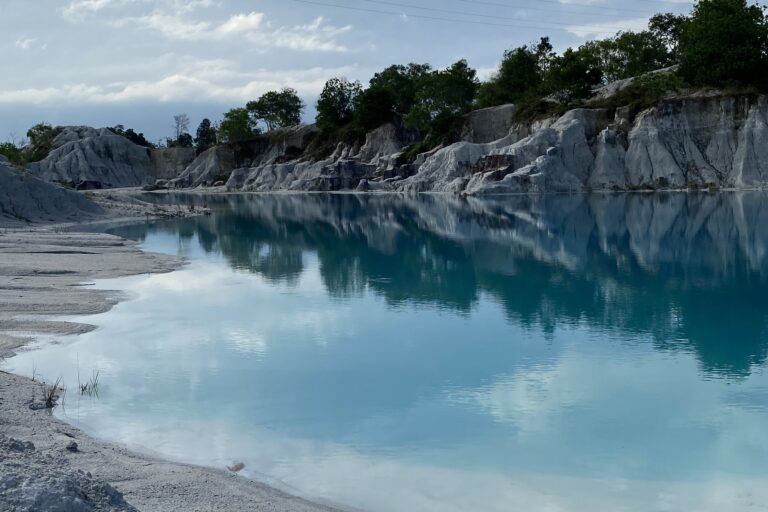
x,y
91,386
52,393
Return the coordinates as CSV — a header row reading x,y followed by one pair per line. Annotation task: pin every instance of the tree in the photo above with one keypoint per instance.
x,y
724,42
131,135
206,136
668,28
237,126
629,54
180,125
573,75
41,138
12,152
520,74
277,109
182,141
390,95
336,104
442,96
374,107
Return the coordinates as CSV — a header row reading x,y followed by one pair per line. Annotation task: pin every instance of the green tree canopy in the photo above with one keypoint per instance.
x,y
520,74
205,136
40,138
184,140
629,54
442,96
390,95
573,75
724,42
336,104
277,109
131,135
668,27
237,126
12,152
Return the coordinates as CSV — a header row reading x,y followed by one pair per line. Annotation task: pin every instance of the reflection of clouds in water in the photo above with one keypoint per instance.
x,y
646,404
247,341
329,471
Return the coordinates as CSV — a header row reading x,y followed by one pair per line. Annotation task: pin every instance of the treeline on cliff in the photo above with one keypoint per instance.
x,y
722,44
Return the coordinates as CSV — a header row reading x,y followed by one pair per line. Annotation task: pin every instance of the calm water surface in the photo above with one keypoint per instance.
x,y
437,354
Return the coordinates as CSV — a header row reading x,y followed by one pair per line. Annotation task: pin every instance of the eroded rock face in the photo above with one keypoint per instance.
x,y
698,142
24,199
688,143
169,163
209,167
85,157
488,124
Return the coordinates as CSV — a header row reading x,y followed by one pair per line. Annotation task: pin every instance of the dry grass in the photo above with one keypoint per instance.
x,y
52,393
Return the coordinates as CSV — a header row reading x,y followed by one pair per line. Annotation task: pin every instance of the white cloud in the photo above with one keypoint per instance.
x,y
79,9
602,30
195,81
314,36
174,27
25,43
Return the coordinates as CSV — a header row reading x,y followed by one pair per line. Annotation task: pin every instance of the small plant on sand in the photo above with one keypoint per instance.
x,y
51,393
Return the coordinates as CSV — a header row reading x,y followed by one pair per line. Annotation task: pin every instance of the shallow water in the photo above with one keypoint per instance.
x,y
579,353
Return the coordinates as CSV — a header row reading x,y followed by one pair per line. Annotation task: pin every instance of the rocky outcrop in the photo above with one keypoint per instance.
x,y
169,163
26,199
697,142
211,167
715,141
85,158
488,124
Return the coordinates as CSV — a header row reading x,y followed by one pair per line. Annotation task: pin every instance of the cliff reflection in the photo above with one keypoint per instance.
x,y
689,269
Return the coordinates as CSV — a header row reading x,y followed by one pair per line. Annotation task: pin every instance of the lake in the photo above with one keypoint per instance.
x,y
574,353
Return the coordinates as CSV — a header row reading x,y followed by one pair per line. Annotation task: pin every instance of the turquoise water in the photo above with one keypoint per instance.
x,y
575,353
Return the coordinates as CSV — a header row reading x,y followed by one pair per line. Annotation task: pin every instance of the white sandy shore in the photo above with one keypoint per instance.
x,y
42,272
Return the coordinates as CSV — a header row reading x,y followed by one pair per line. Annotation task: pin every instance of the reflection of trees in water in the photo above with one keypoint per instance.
x,y
689,269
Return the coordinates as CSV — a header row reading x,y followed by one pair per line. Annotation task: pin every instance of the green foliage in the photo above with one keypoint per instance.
x,y
724,43
629,54
443,96
390,95
206,136
12,152
645,91
532,108
131,135
182,141
336,104
277,109
573,75
520,74
237,126
40,141
668,28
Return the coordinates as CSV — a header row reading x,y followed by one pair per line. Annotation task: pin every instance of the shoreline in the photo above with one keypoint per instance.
x,y
43,277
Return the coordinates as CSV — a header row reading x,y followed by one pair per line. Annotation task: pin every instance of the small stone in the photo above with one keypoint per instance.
x,y
72,447
236,467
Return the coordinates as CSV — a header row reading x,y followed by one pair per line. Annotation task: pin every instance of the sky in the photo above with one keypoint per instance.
x,y
139,62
